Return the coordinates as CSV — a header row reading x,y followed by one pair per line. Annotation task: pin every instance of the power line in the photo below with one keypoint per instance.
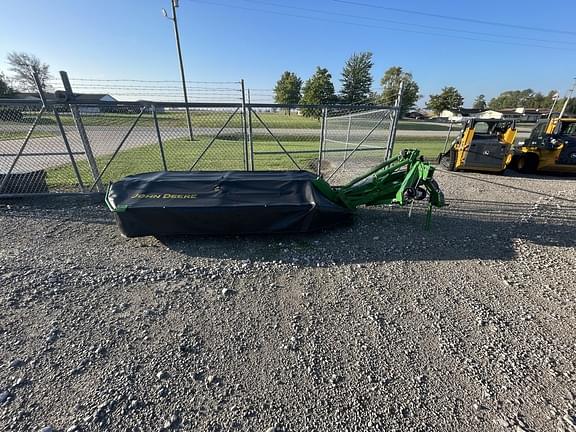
x,y
150,81
453,18
167,90
410,24
380,27
136,88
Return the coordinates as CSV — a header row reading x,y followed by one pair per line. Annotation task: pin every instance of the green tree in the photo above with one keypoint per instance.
x,y
5,88
448,99
317,90
480,103
22,64
571,107
357,78
287,90
390,83
526,98
511,99
537,100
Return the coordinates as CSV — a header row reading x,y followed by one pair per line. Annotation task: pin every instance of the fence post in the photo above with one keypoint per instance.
x,y
244,126
69,149
393,126
60,128
81,131
250,138
322,140
162,155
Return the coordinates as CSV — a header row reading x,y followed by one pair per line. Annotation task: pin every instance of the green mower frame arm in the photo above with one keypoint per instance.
x,y
399,180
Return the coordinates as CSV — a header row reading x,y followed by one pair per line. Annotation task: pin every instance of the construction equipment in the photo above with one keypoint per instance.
x,y
483,145
238,202
551,147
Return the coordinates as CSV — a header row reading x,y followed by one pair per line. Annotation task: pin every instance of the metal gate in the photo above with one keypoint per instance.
x,y
65,145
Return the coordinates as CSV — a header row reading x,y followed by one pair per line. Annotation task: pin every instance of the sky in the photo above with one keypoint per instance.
x,y
478,47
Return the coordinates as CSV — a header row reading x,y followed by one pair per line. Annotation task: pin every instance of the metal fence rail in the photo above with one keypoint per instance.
x,y
55,146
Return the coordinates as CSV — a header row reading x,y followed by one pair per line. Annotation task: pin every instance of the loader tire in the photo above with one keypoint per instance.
x,y
527,164
452,160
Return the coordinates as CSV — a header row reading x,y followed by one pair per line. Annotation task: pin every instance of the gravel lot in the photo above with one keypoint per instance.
x,y
380,326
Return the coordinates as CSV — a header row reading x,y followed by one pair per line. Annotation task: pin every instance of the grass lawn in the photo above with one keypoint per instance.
x,y
222,155
16,135
200,119
181,155
215,119
429,147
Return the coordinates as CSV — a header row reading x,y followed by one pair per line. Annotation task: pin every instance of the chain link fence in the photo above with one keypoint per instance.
x,y
356,140
61,146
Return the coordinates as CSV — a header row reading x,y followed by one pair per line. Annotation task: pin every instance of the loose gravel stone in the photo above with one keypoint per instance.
x,y
4,396
19,382
162,375
16,363
466,326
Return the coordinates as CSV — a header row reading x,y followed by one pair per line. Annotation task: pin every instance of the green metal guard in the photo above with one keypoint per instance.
x,y
399,180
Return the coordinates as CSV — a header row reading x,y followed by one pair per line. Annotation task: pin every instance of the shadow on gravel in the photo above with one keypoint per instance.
x,y
476,230
464,230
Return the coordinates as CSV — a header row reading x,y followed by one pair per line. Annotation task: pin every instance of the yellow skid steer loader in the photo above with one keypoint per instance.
x,y
551,147
483,145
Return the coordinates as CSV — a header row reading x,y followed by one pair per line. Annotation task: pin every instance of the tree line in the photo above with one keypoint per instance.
x,y
356,88
450,99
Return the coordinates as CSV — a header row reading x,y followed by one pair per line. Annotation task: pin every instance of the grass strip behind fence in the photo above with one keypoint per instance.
x,y
213,119
20,135
224,154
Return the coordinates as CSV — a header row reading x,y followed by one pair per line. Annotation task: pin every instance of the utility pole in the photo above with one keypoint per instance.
x,y
568,97
174,19
554,100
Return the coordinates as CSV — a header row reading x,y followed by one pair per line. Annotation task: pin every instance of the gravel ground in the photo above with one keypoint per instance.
x,y
380,326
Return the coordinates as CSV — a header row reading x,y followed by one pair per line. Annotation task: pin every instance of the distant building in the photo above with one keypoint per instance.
x,y
159,108
490,114
416,115
87,102
524,114
25,96
518,114
459,114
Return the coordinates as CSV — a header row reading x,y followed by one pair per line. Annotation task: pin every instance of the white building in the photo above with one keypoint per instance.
x,y
490,114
